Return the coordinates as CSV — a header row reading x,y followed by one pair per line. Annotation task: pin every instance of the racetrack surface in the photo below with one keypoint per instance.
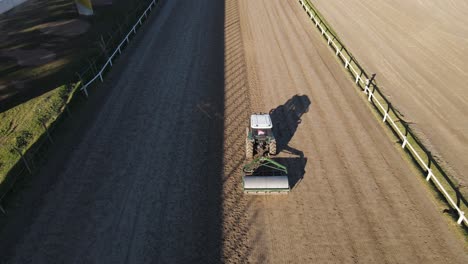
x,y
155,176
418,50
355,198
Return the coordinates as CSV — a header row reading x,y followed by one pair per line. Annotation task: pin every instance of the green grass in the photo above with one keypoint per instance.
x,y
23,125
74,53
445,180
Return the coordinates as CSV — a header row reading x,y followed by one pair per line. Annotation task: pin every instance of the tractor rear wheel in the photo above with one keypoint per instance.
x,y
272,147
248,149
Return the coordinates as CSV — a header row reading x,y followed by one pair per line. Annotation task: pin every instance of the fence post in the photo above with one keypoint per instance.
x,y
338,51
120,28
79,77
81,81
371,93
429,174
462,216
24,159
387,113
47,132
348,62
367,86
92,66
2,209
85,90
103,46
368,83
429,159
358,77
405,139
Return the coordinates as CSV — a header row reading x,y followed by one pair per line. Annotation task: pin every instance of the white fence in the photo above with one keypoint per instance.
x,y
357,73
118,50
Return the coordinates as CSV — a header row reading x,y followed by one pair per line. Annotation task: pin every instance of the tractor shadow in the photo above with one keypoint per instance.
x,y
286,119
296,168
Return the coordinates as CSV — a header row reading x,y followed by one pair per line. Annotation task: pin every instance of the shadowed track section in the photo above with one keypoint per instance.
x,y
144,183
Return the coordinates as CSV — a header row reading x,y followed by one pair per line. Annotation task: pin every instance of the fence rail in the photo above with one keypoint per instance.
x,y
408,139
118,50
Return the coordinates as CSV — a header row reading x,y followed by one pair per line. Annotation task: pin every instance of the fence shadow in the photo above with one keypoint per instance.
x,y
401,129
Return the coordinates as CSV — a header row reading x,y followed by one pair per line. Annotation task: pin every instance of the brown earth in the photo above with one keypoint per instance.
x,y
418,50
150,172
357,201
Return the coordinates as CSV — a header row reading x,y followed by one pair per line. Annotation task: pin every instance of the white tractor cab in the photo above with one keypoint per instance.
x,y
260,138
263,175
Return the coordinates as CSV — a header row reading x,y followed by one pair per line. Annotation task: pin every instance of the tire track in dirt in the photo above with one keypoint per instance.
x,y
359,201
236,113
415,49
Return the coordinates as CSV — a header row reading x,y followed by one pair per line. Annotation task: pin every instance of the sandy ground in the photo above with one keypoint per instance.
x,y
358,201
419,51
154,176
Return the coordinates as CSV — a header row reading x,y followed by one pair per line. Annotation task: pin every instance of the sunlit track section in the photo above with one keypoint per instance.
x,y
353,196
374,96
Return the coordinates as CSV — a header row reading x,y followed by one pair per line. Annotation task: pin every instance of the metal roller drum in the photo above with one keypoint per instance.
x,y
266,184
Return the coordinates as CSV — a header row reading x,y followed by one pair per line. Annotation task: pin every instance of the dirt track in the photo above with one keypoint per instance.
x,y
358,201
156,175
418,50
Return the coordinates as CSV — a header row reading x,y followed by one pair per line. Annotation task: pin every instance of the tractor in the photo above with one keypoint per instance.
x,y
263,175
260,139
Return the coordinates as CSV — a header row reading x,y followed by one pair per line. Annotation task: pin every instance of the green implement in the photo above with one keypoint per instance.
x,y
265,176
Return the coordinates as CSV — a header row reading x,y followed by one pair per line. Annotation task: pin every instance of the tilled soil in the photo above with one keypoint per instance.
x,y
155,175
418,50
354,198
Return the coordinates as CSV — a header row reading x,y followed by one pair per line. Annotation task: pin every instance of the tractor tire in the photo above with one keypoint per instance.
x,y
248,149
272,147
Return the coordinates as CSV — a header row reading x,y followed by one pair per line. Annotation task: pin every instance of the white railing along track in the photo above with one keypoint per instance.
x,y
387,118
